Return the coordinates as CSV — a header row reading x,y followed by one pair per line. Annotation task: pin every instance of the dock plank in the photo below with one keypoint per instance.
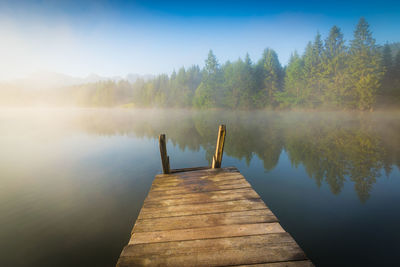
x,y
202,208
206,232
208,217
204,182
200,187
205,220
214,252
194,180
213,196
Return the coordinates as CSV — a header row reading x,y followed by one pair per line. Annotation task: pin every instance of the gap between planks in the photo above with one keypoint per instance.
x,y
204,220
206,232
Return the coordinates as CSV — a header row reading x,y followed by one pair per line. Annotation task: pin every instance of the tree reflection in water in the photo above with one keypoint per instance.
x,y
332,146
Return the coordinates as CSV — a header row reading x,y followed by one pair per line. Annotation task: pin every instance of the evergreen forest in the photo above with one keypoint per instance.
x,y
331,73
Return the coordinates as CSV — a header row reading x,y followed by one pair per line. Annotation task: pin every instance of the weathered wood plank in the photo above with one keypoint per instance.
x,y
225,170
200,188
214,252
204,220
177,181
202,208
197,195
187,184
206,232
213,196
186,175
190,169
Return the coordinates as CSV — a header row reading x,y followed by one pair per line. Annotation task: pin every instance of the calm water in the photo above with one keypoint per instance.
x,y
73,181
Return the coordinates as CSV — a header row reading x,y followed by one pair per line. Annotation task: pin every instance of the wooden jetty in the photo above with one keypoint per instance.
x,y
207,217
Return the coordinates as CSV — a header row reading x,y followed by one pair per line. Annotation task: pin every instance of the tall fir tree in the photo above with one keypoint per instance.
x,y
396,76
208,94
249,83
272,77
364,67
194,77
294,83
334,75
387,64
313,71
308,73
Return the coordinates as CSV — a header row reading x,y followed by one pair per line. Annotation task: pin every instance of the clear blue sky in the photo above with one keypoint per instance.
x,y
119,37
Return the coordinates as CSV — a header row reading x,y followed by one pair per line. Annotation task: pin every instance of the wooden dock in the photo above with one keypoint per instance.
x,y
207,217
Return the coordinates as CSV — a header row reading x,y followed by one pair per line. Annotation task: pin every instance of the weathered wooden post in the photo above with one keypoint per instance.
x,y
217,158
164,155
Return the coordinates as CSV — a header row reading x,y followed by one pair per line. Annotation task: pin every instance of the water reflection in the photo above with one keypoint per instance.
x,y
72,182
332,147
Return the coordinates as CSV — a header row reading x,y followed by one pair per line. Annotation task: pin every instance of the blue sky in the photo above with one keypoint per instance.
x,y
119,37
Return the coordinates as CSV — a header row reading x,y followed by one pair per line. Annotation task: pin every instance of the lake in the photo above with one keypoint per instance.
x,y
72,181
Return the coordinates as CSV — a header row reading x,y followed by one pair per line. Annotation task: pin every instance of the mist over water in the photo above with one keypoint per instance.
x,y
73,180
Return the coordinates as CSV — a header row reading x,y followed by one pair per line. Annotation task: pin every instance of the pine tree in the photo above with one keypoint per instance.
x,y
396,75
238,84
334,76
293,94
387,60
209,91
364,67
248,82
271,75
308,74
313,71
212,65
387,64
193,79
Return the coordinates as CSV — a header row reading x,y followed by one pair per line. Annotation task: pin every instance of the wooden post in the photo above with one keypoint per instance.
x,y
217,158
163,153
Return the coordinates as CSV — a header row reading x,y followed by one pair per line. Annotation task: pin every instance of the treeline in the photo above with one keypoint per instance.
x,y
331,73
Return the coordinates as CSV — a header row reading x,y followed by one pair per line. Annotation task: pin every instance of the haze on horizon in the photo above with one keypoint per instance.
x,y
112,38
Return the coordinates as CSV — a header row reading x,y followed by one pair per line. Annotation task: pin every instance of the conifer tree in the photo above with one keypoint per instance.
x,y
396,75
271,75
294,83
308,73
334,75
248,83
313,70
387,64
364,67
208,93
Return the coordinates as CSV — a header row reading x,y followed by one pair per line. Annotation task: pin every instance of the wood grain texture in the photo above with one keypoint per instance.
x,y
208,217
201,181
219,150
214,252
204,197
180,181
206,232
163,154
202,208
205,220
200,187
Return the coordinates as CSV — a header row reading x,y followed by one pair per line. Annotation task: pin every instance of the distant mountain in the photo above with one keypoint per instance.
x,y
132,77
46,80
